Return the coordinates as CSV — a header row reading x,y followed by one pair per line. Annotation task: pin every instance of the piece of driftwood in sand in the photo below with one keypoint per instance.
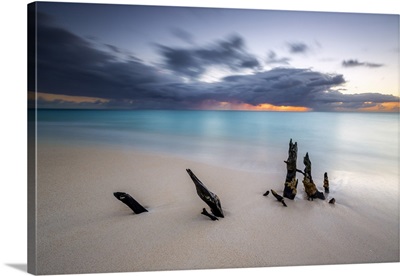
x,y
204,212
208,197
309,186
130,202
279,198
290,189
326,182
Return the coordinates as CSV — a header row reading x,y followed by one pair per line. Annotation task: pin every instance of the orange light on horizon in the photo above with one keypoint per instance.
x,y
270,107
65,98
224,105
383,107
215,105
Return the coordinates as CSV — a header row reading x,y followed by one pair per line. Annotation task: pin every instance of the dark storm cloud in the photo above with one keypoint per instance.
x,y
298,47
327,80
193,62
334,100
356,63
182,62
297,87
281,86
70,65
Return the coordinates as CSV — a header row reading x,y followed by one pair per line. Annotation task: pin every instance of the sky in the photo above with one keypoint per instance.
x,y
152,57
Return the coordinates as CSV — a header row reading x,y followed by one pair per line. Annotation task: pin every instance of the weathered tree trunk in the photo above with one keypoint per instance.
x,y
309,186
208,197
326,182
130,202
279,197
290,189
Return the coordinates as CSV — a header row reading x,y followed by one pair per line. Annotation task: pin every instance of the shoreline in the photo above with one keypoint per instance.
x,y
82,228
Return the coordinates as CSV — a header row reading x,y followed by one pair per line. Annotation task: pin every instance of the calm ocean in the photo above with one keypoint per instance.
x,y
360,148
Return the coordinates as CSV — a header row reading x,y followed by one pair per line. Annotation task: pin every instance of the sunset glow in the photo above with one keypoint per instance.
x,y
66,98
270,107
383,107
214,105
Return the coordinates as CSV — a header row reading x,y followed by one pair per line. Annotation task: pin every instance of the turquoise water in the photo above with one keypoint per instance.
x,y
247,140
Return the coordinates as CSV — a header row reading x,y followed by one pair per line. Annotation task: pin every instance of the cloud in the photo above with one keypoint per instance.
x,y
182,62
356,63
193,62
113,48
298,48
274,59
336,101
288,87
281,86
72,66
183,35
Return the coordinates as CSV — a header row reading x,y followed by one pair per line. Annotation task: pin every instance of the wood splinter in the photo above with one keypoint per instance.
x,y
130,202
207,196
208,214
291,182
309,186
326,182
279,198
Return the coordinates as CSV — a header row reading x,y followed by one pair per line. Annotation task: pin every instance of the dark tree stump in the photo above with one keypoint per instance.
x,y
208,197
290,189
326,182
130,202
279,197
309,186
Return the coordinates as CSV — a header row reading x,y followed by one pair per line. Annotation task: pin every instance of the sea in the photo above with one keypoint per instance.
x,y
359,151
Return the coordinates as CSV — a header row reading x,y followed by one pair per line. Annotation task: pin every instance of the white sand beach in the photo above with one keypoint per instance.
x,y
83,228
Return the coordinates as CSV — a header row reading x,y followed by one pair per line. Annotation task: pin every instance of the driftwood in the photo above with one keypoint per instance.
x,y
309,186
279,197
130,202
204,212
208,197
291,182
326,182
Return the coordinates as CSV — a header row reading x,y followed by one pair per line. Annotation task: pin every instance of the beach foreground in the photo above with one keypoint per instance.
x,y
83,228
